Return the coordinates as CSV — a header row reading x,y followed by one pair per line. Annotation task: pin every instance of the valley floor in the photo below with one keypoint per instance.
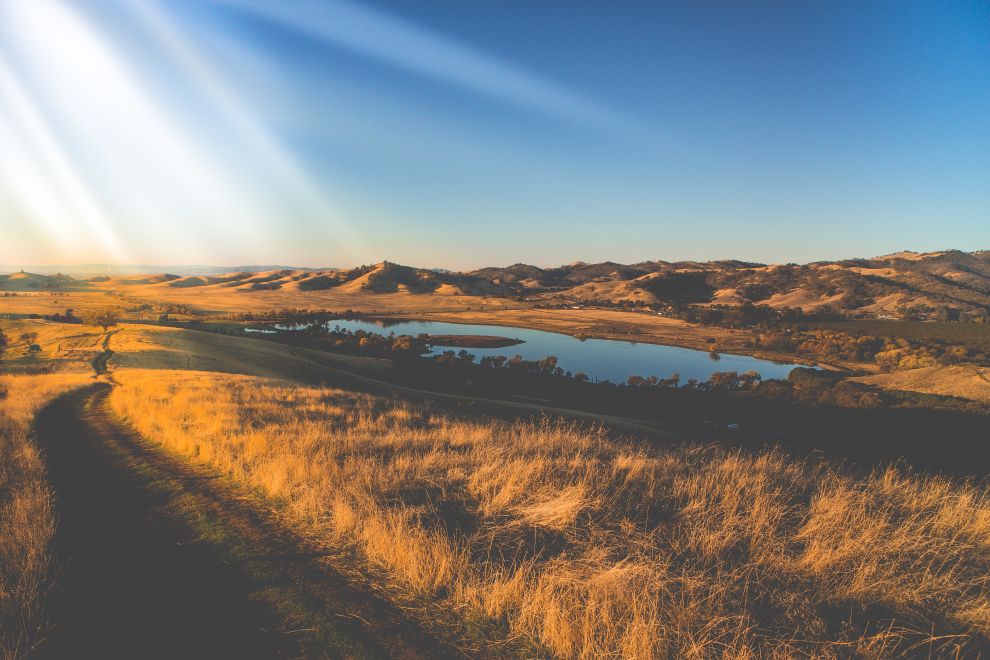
x,y
266,499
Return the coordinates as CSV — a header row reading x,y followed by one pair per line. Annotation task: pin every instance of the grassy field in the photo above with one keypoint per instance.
x,y
29,380
64,347
973,334
27,521
965,382
562,538
42,303
535,537
213,302
147,301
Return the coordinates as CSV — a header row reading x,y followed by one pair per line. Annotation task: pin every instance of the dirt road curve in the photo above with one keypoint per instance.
x,y
163,560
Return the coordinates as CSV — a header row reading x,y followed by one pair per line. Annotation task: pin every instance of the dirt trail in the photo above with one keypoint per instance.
x,y
164,560
100,361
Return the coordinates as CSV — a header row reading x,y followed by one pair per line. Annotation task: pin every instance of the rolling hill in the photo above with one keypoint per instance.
x,y
22,281
949,282
883,285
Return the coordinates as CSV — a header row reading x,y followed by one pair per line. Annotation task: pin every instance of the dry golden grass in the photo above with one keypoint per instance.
x,y
966,382
211,300
45,302
584,545
221,299
27,520
64,347
156,347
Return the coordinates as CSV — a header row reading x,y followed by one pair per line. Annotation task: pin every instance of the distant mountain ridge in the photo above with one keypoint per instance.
x,y
951,279
89,270
889,284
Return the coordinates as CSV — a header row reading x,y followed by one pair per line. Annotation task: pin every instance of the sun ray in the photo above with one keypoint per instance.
x,y
266,147
162,178
70,185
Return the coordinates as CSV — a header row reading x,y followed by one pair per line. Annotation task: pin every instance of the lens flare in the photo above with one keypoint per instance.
x,y
65,183
264,148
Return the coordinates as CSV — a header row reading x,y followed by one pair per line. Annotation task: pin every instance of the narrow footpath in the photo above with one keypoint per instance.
x,y
161,559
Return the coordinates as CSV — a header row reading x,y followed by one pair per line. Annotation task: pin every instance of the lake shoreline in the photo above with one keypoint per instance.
x,y
613,358
685,342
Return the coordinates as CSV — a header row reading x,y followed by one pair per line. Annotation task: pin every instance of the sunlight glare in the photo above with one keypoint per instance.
x,y
71,189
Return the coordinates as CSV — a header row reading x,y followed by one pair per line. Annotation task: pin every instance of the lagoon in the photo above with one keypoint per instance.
x,y
600,359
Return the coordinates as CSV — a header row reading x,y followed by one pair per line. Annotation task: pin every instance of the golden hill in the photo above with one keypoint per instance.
x,y
22,281
948,282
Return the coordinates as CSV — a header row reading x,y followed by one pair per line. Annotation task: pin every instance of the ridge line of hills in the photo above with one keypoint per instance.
x,y
952,280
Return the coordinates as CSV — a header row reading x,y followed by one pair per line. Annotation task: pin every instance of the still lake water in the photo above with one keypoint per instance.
x,y
601,359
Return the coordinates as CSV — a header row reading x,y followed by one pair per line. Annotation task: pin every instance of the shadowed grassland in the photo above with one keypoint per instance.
x,y
967,382
27,520
580,544
61,363
975,334
161,559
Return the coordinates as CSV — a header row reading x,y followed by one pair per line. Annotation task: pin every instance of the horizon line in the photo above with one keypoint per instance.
x,y
8,268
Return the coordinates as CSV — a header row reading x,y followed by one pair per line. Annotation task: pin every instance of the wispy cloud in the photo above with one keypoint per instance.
x,y
402,44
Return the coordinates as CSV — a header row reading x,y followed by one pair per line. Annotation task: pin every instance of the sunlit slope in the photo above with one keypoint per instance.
x,y
952,279
54,347
966,382
586,545
22,281
385,277
138,346
886,285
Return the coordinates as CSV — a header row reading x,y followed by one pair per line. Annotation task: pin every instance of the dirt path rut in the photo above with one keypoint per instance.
x,y
163,560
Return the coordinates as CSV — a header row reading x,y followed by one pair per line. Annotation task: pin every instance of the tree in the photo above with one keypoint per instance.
x,y
29,337
724,380
750,378
106,319
548,364
3,342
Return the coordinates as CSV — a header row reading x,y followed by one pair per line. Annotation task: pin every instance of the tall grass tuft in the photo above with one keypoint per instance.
x,y
584,545
27,520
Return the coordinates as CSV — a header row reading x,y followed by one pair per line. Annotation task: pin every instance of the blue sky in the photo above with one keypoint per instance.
x,y
457,134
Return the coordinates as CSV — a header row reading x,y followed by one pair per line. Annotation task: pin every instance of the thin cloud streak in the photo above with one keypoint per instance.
x,y
379,36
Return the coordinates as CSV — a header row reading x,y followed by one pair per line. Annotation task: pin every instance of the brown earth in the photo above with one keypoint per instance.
x,y
162,560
